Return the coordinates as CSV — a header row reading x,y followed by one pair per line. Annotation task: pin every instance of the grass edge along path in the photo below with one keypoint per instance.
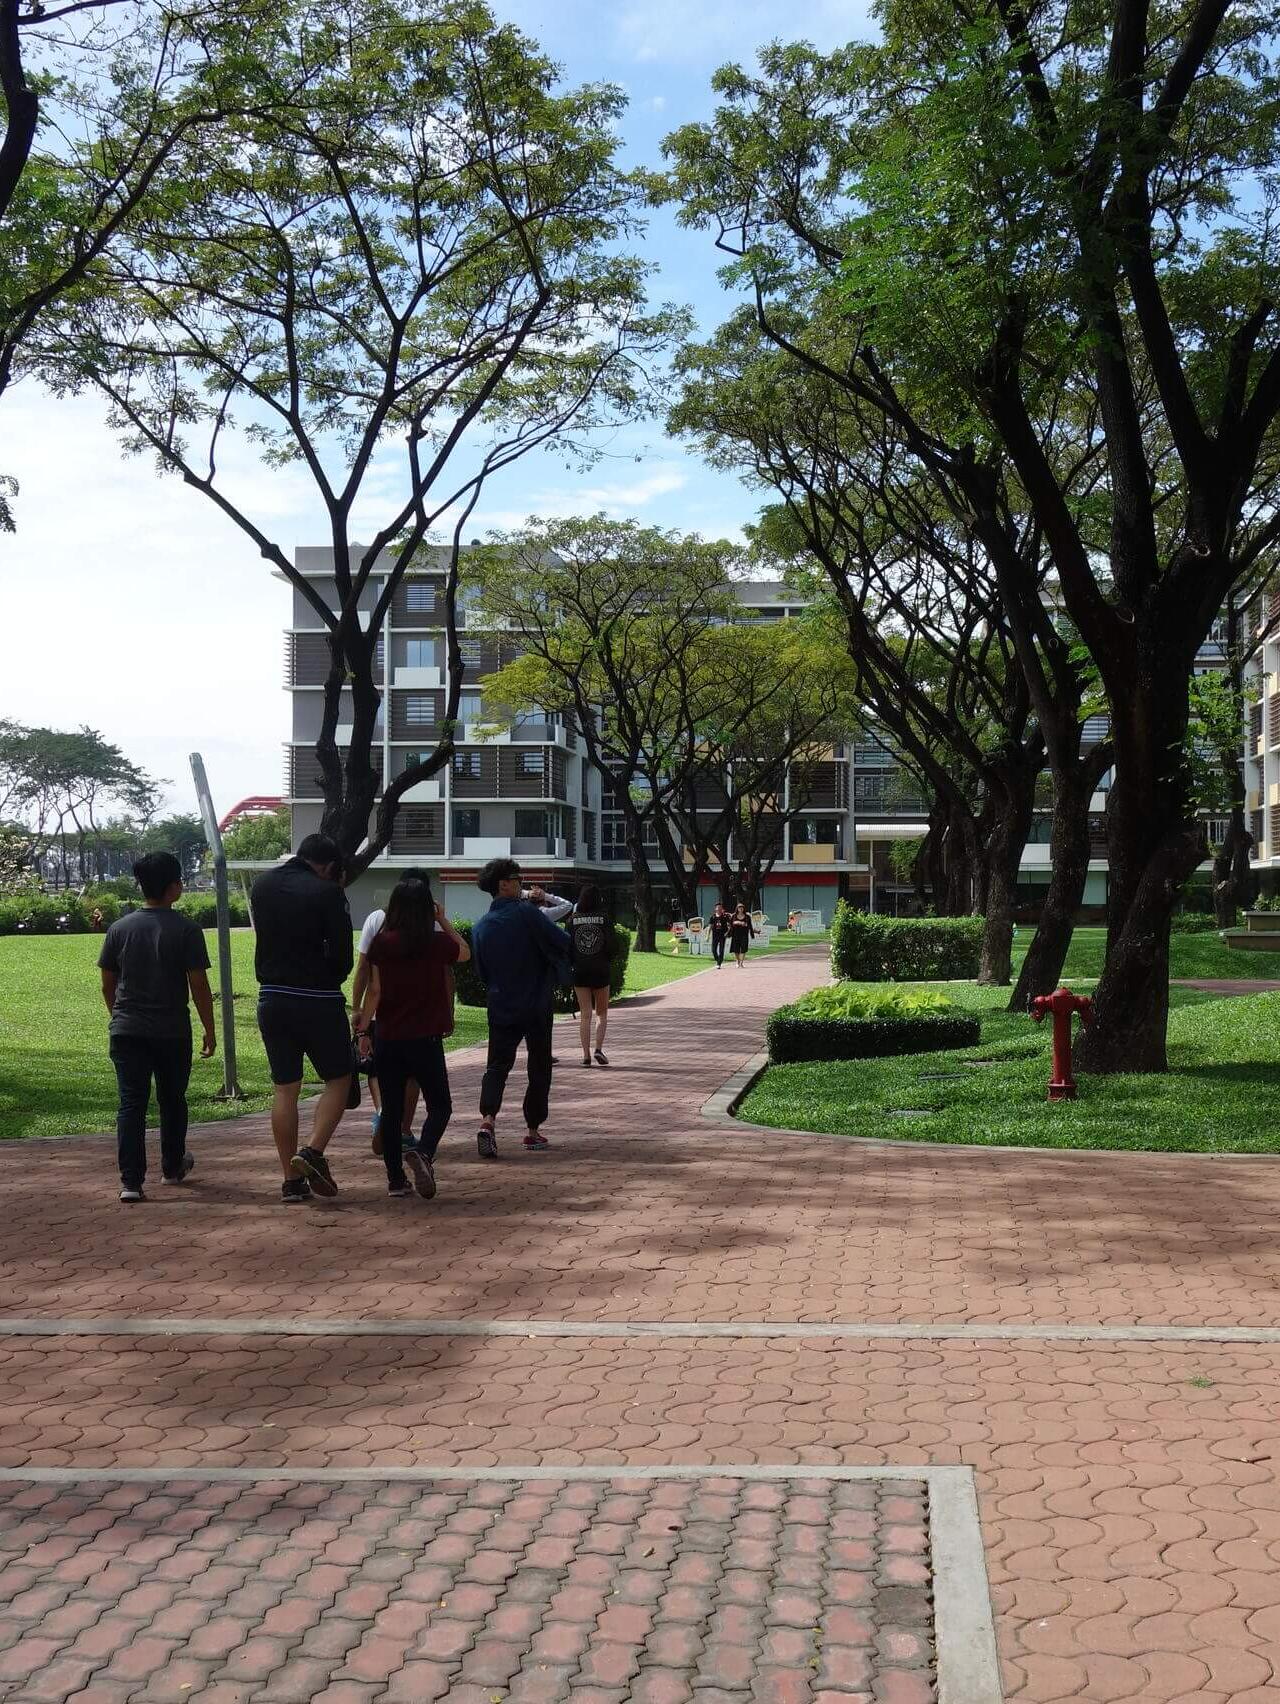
x,y
1219,1095
56,1078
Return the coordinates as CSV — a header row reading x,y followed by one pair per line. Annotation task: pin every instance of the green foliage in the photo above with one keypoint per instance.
x,y
849,1000
259,839
42,914
1267,902
202,909
866,948
471,991
17,849
1192,923
797,1032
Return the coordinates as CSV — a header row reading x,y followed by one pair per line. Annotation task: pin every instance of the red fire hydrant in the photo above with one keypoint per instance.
x,y
1061,1004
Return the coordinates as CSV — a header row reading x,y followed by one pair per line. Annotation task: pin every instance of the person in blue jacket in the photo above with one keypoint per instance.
x,y
521,957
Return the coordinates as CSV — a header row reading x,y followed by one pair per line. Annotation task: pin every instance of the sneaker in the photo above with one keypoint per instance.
x,y
130,1193
188,1166
486,1142
295,1189
314,1168
600,1058
586,1060
424,1176
536,1140
555,1059
401,1186
376,1137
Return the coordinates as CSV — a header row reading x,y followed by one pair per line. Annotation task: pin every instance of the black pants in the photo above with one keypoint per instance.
x,y
718,944
137,1059
504,1039
395,1064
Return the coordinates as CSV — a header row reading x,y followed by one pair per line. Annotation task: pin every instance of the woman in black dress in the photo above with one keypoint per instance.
x,y
741,929
590,932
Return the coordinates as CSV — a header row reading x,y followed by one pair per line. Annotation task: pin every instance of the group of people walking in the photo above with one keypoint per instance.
x,y
402,1010
733,929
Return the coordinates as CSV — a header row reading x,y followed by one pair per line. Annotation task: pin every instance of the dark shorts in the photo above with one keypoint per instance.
x,y
295,1026
592,974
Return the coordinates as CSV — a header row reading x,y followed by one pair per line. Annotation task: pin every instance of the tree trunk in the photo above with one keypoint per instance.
x,y
1002,848
1153,845
1232,877
1070,844
642,880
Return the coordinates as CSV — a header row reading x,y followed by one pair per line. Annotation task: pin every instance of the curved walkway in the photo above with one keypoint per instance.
x,y
1126,1486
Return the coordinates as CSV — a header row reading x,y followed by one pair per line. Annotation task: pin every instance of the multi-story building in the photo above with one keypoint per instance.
x,y
530,792
1262,747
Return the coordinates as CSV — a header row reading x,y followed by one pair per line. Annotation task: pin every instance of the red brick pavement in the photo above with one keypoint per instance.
x,y
1128,1492
515,1591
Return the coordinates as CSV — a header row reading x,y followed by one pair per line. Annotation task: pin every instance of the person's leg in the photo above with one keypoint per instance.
x,y
329,1050
284,1122
132,1063
327,1110
537,1040
392,1072
504,1039
602,1016
171,1061
433,1074
584,1022
410,1102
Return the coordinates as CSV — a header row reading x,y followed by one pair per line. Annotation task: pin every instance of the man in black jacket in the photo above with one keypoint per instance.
x,y
302,958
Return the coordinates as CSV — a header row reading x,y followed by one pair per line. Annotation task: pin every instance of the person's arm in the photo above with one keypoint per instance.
x,y
447,929
359,986
110,982
202,994
339,943
109,965
369,1006
555,941
553,908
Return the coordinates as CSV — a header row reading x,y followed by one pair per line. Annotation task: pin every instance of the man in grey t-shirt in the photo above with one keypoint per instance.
x,y
149,961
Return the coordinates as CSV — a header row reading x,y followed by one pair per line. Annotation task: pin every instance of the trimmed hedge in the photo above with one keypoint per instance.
x,y
793,1037
866,948
43,914
471,991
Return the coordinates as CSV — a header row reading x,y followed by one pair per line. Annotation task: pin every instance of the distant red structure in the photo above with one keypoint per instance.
x,y
257,805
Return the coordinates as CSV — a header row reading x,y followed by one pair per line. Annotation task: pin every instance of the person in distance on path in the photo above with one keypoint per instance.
x,y
589,932
302,958
409,990
741,929
720,921
520,958
149,961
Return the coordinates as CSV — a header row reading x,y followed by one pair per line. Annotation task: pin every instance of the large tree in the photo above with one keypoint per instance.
x,y
610,618
1017,210
402,270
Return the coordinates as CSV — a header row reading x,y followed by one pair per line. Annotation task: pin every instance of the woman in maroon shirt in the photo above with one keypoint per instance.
x,y
409,990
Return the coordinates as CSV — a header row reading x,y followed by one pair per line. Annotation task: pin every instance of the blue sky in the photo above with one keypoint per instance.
x,y
191,659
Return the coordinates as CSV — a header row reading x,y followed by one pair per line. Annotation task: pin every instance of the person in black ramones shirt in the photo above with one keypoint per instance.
x,y
591,934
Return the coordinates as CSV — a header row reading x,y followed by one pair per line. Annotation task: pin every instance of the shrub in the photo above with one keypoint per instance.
x,y
846,1000
202,909
43,914
793,1035
1192,923
471,990
903,949
1266,902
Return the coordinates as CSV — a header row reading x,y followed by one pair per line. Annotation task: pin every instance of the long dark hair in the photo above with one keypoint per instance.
x,y
590,898
411,912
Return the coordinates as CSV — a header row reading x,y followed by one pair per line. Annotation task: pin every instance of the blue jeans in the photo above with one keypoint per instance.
x,y
419,1059
137,1059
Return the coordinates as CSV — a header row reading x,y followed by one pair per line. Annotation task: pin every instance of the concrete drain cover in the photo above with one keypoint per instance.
x,y
522,1584
940,1077
911,1111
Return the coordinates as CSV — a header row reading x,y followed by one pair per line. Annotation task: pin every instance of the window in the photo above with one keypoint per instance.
x,y
420,653
470,649
531,763
533,825
467,763
815,831
409,758
466,825
419,712
471,707
870,789
419,597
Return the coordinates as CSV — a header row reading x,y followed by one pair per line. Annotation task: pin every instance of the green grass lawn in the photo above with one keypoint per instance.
x,y
56,1079
1194,957
1219,1095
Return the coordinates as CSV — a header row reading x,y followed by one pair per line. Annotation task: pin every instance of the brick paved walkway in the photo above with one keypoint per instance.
x,y
1127,1491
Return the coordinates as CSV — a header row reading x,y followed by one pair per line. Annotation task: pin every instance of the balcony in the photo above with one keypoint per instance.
x,y
427,792
485,846
813,854
537,846
417,677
